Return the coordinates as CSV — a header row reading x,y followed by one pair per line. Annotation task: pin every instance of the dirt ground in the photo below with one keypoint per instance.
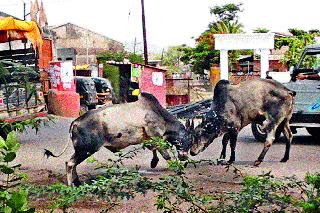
x,y
206,180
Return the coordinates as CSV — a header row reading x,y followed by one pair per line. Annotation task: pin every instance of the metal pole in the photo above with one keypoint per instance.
x,y
24,11
87,48
134,45
162,56
144,34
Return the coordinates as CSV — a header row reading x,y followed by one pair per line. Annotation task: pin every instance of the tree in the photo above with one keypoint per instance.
x,y
172,58
296,44
204,55
261,30
135,58
227,12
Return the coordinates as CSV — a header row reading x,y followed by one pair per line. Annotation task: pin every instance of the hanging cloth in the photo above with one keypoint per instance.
x,y
17,30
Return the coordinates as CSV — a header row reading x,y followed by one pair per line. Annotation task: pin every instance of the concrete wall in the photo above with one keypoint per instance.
x,y
147,84
86,43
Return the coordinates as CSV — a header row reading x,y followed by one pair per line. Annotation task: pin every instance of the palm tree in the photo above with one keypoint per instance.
x,y
224,27
228,27
261,30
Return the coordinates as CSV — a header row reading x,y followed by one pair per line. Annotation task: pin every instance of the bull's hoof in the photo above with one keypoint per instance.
x,y
257,163
283,160
154,162
76,183
221,162
230,162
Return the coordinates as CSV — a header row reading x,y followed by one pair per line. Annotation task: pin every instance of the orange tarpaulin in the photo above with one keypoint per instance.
x,y
15,29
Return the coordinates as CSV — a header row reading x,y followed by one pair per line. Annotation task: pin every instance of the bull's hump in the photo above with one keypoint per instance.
x,y
124,114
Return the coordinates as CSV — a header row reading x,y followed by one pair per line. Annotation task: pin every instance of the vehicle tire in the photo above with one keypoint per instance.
x,y
260,135
83,109
91,107
314,131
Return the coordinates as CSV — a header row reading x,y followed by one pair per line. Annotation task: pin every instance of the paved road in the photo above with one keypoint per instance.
x,y
305,153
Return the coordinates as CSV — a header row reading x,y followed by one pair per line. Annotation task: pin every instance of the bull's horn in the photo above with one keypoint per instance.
x,y
192,124
188,123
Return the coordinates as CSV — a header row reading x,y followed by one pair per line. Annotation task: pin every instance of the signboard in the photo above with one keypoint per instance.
x,y
244,41
136,70
157,78
66,73
61,76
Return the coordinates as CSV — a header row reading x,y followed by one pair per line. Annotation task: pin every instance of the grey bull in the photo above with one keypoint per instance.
x,y
119,126
235,106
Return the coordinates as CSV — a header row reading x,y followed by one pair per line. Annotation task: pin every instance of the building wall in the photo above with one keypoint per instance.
x,y
86,43
147,84
274,65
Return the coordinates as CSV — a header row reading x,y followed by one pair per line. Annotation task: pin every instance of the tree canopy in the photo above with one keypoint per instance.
x,y
225,21
296,44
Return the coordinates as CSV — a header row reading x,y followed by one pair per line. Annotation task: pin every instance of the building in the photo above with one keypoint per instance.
x,y
82,45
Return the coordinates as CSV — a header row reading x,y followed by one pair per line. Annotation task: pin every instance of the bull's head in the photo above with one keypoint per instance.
x,y
181,138
203,135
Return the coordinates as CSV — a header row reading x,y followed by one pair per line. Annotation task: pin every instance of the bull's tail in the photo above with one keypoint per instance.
x,y
48,153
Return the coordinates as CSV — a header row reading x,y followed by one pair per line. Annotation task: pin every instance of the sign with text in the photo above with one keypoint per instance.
x,y
244,41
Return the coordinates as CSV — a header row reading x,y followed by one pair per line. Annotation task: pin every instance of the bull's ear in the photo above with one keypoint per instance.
x,y
188,123
192,124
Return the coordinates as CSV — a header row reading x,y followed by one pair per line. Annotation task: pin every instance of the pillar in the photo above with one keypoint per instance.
x,y
224,65
264,62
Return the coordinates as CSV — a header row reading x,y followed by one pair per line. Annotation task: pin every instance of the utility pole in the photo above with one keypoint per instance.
x,y
162,56
25,14
24,11
134,45
87,47
144,34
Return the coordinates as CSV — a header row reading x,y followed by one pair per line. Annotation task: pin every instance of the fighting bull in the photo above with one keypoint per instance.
x,y
235,106
119,126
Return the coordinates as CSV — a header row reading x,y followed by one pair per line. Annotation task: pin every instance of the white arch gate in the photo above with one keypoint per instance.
x,y
263,42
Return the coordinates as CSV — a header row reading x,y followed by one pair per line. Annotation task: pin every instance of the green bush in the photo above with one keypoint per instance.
x,y
12,199
113,74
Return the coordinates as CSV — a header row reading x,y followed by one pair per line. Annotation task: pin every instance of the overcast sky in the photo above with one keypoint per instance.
x,y
170,22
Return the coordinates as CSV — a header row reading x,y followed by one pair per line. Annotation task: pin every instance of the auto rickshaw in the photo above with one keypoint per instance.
x,y
105,92
88,95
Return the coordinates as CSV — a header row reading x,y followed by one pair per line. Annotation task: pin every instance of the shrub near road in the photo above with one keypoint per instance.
x,y
12,199
174,192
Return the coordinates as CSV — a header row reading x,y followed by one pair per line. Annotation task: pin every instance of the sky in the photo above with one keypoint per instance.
x,y
170,22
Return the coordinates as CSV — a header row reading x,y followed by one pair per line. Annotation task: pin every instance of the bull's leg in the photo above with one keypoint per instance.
x,y
155,159
288,134
76,159
222,157
271,132
233,143
165,154
225,140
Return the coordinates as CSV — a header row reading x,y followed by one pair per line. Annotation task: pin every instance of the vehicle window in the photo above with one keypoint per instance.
x,y
311,62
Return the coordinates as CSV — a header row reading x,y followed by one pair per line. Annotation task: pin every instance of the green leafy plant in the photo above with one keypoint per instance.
x,y
11,198
311,201
110,56
158,143
135,58
116,184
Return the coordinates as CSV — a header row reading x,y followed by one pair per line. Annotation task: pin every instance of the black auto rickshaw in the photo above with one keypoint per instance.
x,y
88,95
105,92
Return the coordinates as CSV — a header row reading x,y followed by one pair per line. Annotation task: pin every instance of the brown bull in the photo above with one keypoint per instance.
x,y
119,126
236,106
